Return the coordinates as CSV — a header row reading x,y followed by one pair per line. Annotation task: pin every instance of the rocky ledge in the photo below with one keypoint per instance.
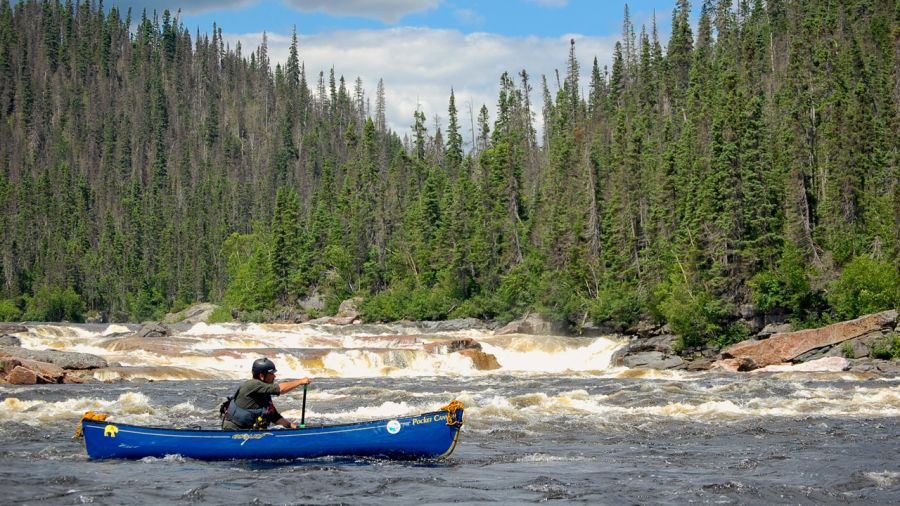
x,y
21,366
844,346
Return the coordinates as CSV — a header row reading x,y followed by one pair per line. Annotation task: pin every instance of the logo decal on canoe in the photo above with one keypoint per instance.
x,y
110,431
393,427
247,437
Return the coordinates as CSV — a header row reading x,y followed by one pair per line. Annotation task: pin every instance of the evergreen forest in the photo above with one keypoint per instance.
x,y
750,160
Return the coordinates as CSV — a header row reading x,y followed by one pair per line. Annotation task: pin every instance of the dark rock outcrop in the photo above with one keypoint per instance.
x,y
153,329
63,359
453,345
12,328
870,365
652,360
6,340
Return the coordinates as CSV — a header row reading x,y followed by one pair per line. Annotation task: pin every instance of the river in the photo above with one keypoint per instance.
x,y
554,423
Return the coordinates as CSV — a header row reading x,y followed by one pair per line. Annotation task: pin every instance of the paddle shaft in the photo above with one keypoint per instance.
x,y
303,411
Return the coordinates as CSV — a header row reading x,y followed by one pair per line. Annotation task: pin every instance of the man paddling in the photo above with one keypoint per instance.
x,y
251,407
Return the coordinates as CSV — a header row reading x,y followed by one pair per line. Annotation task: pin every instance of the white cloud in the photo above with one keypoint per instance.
x,y
468,17
420,65
389,11
550,3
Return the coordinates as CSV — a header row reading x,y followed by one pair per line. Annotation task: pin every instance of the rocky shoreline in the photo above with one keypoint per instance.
x,y
844,346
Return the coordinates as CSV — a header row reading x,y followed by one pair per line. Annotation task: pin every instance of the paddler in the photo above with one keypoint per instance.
x,y
251,407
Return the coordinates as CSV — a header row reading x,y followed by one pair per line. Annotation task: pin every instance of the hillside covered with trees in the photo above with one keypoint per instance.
x,y
750,160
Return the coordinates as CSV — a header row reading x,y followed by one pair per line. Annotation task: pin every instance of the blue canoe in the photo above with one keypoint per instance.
x,y
429,435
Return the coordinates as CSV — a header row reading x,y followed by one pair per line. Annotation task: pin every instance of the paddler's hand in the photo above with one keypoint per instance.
x,y
287,386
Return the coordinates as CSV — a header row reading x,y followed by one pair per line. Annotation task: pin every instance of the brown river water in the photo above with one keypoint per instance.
x,y
555,423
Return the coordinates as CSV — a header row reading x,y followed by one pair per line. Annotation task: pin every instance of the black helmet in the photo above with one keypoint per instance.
x,y
262,365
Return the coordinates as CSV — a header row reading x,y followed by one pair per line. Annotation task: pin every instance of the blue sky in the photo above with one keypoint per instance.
x,y
545,18
422,48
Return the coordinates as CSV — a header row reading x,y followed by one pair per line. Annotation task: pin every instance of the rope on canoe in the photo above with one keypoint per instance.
x,y
90,415
451,412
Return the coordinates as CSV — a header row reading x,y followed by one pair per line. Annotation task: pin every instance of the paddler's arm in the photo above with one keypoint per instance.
x,y
287,386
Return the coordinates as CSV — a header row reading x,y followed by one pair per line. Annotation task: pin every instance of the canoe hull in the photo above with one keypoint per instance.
x,y
416,437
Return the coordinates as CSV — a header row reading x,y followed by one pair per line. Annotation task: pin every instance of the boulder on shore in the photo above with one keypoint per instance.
x,y
350,308
534,325
194,314
787,346
652,360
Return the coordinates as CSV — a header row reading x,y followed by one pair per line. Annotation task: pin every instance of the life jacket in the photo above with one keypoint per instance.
x,y
244,418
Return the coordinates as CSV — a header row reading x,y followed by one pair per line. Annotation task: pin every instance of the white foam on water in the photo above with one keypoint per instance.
x,y
544,457
115,329
862,401
377,341
884,479
167,458
61,337
128,406
551,354
387,409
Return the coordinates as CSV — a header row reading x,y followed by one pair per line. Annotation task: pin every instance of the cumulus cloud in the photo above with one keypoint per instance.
x,y
550,3
389,11
420,65
468,17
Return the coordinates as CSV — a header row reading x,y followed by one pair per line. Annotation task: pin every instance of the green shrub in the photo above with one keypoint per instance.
x,y
847,350
220,315
617,305
54,304
251,284
479,306
889,349
695,315
786,287
9,311
519,289
405,303
865,286
734,333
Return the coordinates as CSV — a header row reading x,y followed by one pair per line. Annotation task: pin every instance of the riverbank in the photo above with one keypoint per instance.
x,y
67,353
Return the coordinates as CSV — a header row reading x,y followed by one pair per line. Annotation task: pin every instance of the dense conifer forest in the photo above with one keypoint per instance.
x,y
753,159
